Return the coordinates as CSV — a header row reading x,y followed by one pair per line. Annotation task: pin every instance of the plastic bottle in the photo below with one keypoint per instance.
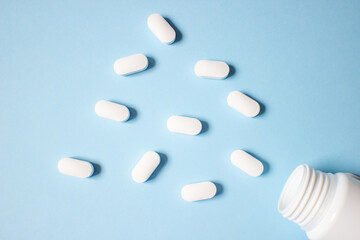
x,y
325,205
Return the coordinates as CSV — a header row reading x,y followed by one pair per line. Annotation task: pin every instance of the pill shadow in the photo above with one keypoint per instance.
x,y
163,161
262,106
232,71
133,111
151,63
179,35
266,165
205,127
97,167
219,188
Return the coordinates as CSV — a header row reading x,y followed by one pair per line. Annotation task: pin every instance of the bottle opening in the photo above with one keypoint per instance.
x,y
294,190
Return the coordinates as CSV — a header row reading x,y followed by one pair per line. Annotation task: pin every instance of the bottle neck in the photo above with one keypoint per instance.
x,y
307,196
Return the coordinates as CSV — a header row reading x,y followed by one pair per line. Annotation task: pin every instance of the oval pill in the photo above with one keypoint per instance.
x,y
75,168
184,125
161,28
244,104
198,191
112,111
145,167
247,163
212,69
131,64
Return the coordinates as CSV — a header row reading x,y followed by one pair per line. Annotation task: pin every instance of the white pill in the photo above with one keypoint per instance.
x,y
244,104
112,111
145,167
76,168
198,191
212,69
247,163
131,64
161,28
184,125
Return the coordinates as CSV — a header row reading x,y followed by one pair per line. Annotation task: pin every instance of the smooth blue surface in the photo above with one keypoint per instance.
x,y
300,59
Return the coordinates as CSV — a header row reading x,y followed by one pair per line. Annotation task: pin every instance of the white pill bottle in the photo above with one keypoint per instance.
x,y
325,205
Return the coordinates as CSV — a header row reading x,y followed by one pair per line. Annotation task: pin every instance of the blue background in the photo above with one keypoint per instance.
x,y
300,59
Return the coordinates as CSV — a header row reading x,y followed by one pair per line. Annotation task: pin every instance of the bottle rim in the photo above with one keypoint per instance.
x,y
294,190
